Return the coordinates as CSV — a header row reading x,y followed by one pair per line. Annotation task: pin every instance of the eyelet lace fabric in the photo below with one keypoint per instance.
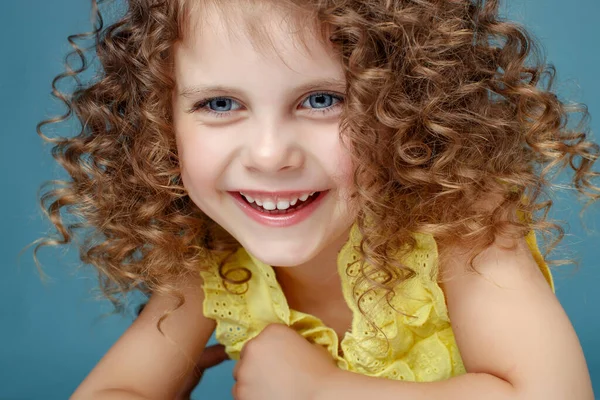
x,y
414,340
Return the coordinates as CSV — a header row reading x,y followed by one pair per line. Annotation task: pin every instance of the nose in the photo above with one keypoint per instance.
x,y
273,147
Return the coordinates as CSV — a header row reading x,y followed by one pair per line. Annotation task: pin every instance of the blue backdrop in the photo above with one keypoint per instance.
x,y
53,334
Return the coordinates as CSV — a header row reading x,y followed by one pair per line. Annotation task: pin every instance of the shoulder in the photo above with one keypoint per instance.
x,y
506,262
506,320
511,261
508,323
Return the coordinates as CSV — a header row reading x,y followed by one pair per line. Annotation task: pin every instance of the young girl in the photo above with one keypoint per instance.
x,y
347,191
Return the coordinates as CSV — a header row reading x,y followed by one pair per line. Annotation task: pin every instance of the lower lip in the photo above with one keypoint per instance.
x,y
279,220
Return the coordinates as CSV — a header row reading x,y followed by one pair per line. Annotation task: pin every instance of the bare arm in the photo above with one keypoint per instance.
x,y
144,364
514,337
509,325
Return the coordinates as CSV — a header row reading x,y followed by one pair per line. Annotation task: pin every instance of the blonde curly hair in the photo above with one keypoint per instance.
x,y
447,106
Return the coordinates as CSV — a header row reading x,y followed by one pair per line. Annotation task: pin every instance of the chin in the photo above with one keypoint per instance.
x,y
282,254
294,250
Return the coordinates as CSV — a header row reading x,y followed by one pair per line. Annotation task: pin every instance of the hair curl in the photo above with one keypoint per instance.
x,y
448,106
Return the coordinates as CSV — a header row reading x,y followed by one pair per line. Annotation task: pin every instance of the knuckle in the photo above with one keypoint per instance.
x,y
278,327
238,392
249,347
275,329
241,372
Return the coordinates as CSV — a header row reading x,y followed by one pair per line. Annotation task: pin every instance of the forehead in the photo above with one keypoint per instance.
x,y
253,20
236,35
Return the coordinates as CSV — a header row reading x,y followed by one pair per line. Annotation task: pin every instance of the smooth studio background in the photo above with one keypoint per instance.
x,y
52,335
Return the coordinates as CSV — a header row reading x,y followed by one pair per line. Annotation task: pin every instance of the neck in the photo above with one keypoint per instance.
x,y
316,278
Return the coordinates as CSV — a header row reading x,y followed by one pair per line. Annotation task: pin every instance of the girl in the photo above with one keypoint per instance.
x,y
346,191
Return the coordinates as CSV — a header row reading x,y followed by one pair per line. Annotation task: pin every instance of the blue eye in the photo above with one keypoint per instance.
x,y
321,100
221,107
221,104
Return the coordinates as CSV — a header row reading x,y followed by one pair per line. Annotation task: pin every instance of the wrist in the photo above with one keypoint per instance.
x,y
332,385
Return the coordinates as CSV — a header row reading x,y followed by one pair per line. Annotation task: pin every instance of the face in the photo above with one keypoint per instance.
x,y
258,139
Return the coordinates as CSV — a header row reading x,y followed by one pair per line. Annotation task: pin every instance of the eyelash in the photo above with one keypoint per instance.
x,y
200,106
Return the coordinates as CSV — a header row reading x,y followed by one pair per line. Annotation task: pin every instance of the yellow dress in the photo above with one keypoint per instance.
x,y
415,341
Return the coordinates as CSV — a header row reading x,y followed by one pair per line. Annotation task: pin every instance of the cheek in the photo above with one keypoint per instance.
x,y
342,164
333,155
344,176
346,168
198,162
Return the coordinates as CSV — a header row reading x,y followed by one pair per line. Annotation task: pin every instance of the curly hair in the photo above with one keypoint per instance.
x,y
448,106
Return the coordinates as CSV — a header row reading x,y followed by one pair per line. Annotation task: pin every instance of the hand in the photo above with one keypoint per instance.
x,y
211,356
279,364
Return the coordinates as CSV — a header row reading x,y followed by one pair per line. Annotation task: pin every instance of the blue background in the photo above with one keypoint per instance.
x,y
51,335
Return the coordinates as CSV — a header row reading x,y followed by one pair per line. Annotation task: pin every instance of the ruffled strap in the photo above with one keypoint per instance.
x,y
226,303
242,311
531,241
270,305
413,339
539,259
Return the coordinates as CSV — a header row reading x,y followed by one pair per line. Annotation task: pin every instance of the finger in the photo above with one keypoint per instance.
x,y
211,356
234,392
190,384
327,352
244,350
236,370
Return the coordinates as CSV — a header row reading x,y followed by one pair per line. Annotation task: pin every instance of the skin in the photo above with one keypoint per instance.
x,y
211,357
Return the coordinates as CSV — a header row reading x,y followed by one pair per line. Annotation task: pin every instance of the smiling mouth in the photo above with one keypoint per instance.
x,y
279,210
282,206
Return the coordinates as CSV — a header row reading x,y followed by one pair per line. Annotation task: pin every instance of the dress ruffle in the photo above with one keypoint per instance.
x,y
413,340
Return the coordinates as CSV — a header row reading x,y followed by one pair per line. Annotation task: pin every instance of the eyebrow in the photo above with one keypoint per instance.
x,y
195,90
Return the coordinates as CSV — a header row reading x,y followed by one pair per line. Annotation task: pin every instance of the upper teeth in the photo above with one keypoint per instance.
x,y
269,203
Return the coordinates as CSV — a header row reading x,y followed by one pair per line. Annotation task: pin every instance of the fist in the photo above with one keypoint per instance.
x,y
279,364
